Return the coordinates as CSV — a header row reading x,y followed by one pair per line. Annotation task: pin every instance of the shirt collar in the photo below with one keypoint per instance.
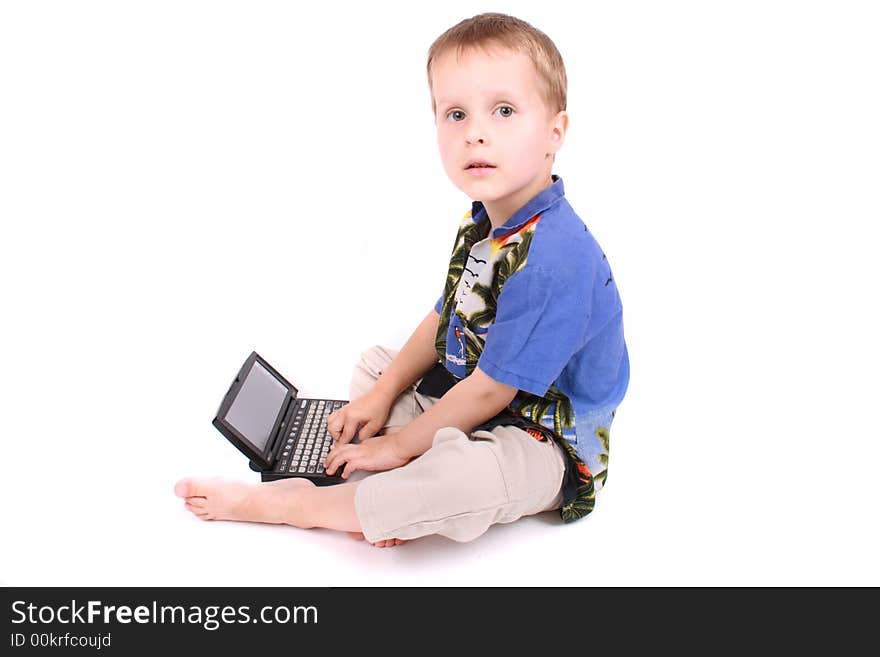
x,y
537,204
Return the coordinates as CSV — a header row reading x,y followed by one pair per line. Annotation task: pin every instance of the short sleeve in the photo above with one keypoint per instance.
x,y
540,323
439,305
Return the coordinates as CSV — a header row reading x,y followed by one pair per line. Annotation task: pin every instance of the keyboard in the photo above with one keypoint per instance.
x,y
307,454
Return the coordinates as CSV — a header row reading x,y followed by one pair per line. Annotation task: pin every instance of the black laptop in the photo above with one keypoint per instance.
x,y
282,434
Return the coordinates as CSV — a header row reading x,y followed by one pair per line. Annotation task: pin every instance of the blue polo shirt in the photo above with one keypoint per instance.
x,y
533,304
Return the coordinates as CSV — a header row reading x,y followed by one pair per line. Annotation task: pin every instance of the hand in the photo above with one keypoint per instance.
x,y
367,413
380,453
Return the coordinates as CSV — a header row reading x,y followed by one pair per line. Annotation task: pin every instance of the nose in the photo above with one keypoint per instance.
x,y
476,134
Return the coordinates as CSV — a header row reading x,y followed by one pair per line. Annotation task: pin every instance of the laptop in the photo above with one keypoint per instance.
x,y
282,434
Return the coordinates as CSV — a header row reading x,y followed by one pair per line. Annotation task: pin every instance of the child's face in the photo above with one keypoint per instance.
x,y
489,107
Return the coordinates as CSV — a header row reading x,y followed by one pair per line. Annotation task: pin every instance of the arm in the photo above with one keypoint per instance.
x,y
468,404
368,414
415,358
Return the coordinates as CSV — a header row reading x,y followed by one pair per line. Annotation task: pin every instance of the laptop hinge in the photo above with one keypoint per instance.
x,y
281,434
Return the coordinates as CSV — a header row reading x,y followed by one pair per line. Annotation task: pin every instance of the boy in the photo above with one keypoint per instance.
x,y
499,404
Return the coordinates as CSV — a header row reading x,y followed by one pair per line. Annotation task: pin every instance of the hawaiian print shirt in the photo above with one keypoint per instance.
x,y
534,305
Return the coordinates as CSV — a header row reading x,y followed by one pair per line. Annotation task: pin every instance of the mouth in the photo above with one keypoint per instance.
x,y
479,168
478,164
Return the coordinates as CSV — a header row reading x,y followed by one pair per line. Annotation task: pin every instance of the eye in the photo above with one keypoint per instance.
x,y
506,111
456,115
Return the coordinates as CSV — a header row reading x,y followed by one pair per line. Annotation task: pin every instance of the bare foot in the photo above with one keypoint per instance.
x,y
276,502
391,542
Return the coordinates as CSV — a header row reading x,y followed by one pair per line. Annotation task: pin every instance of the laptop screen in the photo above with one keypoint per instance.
x,y
256,407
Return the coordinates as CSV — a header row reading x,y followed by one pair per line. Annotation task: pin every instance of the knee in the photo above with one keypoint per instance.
x,y
370,366
370,355
365,355
376,359
446,434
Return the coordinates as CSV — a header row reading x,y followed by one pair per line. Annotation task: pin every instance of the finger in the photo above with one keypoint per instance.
x,y
337,455
338,432
329,468
330,460
369,430
335,422
348,432
351,466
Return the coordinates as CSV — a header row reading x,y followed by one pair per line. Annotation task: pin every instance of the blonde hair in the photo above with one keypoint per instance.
x,y
493,29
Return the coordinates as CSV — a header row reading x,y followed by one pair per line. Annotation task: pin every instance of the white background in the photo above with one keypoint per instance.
x,y
183,182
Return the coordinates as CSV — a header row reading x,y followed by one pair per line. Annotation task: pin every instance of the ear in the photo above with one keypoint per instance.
x,y
558,128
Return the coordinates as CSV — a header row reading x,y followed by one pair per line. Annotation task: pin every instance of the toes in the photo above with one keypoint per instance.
x,y
196,510
389,542
199,513
197,502
191,488
182,487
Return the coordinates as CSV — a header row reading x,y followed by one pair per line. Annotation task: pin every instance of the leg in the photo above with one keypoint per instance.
x,y
408,406
296,502
463,485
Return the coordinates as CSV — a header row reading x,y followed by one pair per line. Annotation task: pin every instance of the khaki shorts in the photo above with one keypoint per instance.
x,y
463,483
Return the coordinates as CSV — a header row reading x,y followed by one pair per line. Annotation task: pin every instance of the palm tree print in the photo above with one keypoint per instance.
x,y
510,255
469,234
484,318
512,262
475,306
603,435
552,410
584,500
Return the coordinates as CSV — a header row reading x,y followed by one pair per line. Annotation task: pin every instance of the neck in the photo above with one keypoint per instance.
x,y
501,210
